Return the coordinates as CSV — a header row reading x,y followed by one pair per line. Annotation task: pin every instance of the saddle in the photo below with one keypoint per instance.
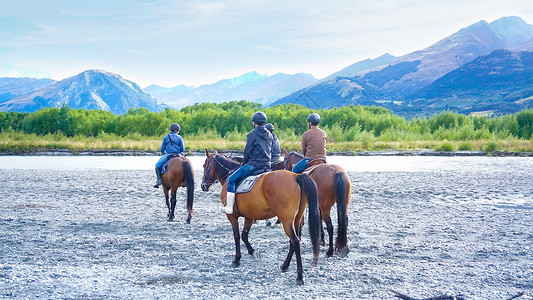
x,y
164,167
247,184
316,161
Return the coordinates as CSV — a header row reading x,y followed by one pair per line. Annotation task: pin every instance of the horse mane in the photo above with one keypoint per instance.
x,y
297,154
224,166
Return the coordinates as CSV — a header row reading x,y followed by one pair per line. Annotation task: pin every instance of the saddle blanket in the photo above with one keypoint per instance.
x,y
164,167
247,184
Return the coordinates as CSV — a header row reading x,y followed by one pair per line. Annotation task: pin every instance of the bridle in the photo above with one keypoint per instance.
x,y
211,164
286,160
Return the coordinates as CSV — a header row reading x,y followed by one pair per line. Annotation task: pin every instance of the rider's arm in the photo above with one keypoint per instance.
x,y
181,144
304,144
164,144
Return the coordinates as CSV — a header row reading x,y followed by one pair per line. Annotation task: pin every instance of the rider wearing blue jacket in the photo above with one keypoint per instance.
x,y
172,145
256,157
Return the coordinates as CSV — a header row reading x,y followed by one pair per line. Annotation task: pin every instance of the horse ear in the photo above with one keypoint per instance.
x,y
285,151
206,152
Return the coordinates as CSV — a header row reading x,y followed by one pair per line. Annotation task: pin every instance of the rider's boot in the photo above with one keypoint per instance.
x,y
230,200
158,174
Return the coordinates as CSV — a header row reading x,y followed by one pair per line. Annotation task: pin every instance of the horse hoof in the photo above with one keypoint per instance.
x,y
329,253
235,264
284,269
256,255
300,281
268,223
343,252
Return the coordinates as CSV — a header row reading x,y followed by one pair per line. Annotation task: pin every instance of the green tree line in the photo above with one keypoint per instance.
x,y
232,120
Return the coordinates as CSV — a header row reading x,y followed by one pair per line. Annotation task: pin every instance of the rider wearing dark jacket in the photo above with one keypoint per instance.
x,y
258,148
256,157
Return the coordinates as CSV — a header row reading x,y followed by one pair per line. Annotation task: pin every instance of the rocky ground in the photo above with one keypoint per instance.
x,y
102,234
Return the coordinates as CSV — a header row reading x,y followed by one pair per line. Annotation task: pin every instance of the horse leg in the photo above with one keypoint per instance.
x,y
247,225
291,232
295,247
329,226
237,237
165,191
172,205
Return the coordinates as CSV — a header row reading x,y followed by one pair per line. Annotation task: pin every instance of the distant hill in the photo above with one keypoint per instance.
x,y
250,86
12,87
361,66
92,89
394,85
499,82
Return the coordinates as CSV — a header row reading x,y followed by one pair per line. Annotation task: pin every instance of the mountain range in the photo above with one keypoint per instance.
x,y
91,89
250,86
483,68
404,84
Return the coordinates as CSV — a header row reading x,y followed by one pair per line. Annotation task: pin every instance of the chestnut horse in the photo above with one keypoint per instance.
x,y
179,172
279,193
333,187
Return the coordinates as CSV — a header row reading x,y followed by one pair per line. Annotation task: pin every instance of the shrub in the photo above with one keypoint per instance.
x,y
490,147
446,146
466,146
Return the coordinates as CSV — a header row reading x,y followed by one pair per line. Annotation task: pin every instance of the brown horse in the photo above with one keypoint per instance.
x,y
179,172
333,187
279,193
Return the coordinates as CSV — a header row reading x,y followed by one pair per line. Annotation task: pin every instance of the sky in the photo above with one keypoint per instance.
x,y
195,42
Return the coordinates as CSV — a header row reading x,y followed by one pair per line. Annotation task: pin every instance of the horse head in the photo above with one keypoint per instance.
x,y
291,158
209,171
216,168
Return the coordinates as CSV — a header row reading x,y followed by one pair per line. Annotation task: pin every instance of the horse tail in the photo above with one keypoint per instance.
x,y
309,191
342,211
189,178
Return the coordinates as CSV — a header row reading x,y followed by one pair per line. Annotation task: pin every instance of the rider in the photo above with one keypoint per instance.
x,y
172,145
276,149
256,157
313,144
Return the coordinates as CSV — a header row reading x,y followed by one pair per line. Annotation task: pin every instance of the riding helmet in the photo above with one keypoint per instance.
x,y
259,118
175,126
314,118
269,126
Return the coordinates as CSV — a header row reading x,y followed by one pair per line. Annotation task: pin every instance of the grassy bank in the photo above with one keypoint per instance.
x,y
18,143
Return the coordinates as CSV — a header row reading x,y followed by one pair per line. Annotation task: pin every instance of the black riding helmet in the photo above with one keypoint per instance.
x,y
314,118
259,118
175,126
269,126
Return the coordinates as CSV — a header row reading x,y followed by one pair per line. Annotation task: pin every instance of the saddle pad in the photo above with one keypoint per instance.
x,y
310,169
164,167
247,184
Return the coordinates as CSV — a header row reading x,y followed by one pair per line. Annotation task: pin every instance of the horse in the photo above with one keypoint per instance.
x,y
279,193
333,187
179,172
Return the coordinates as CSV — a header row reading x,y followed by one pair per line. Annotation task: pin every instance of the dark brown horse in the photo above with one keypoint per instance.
x,y
333,187
179,172
279,193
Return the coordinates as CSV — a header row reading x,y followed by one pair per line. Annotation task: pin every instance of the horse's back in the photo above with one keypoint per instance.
x,y
176,170
273,193
324,176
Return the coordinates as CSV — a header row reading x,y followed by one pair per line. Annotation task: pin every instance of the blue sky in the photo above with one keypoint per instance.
x,y
196,42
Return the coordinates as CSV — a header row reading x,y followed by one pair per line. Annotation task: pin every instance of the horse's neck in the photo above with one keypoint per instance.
x,y
225,166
